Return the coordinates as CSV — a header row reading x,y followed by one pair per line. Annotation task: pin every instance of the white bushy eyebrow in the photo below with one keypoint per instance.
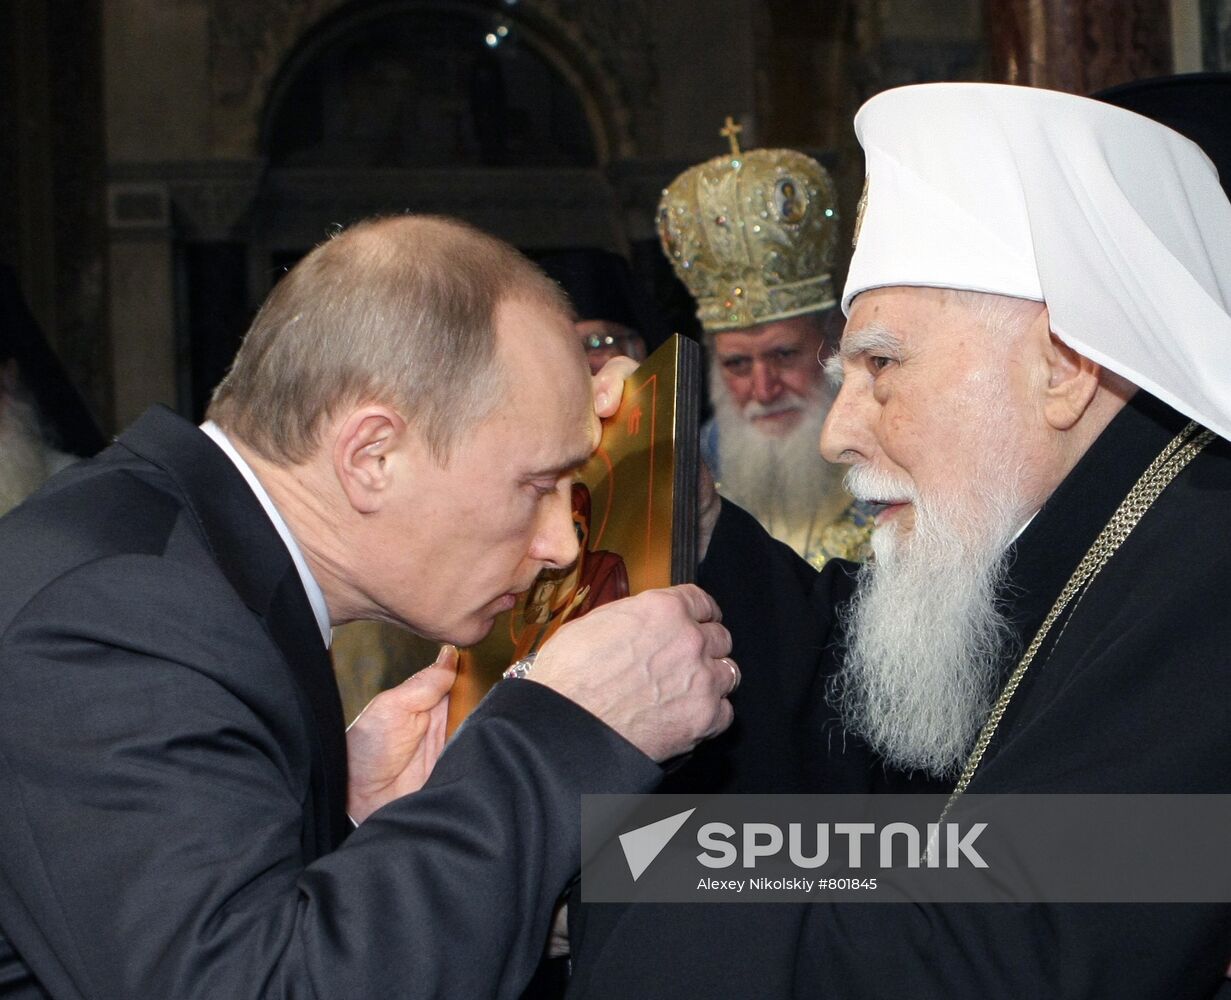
x,y
875,338
832,367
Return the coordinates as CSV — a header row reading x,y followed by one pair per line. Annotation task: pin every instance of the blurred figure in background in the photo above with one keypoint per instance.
x,y
613,318
44,424
753,236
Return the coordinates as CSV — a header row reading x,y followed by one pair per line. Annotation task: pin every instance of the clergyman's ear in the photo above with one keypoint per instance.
x,y
363,450
1072,381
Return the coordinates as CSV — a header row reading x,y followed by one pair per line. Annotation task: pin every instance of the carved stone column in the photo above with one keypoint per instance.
x,y
1078,45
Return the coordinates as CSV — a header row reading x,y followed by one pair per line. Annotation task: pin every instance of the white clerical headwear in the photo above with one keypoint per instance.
x,y
1116,222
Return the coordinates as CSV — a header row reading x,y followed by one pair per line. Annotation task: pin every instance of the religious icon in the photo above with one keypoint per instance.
x,y
790,200
598,576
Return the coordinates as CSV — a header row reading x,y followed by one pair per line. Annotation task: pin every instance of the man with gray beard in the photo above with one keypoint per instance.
x,y
1033,394
925,637
926,633
753,236
764,451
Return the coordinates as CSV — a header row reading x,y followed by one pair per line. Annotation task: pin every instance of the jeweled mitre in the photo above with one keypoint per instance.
x,y
753,235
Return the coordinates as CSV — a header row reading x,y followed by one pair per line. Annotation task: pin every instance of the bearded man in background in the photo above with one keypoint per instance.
x,y
753,236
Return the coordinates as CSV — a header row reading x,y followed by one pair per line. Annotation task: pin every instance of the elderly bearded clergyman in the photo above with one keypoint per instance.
x,y
753,235
1036,388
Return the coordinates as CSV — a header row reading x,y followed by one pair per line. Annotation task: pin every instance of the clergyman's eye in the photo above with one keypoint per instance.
x,y
738,366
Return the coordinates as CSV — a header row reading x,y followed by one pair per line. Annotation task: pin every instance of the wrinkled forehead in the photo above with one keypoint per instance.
x,y
906,305
886,320
798,331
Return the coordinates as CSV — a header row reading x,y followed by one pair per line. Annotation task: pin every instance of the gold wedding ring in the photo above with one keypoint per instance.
x,y
734,676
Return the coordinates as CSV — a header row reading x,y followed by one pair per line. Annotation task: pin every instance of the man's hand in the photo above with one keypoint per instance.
x,y
609,385
393,745
558,944
654,667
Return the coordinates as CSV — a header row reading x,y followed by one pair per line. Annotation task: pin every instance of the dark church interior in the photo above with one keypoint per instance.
x,y
164,163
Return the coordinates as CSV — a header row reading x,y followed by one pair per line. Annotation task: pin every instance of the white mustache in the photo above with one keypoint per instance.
x,y
753,409
866,483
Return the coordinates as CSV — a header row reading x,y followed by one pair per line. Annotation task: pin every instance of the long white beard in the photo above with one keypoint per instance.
x,y
782,481
925,639
24,456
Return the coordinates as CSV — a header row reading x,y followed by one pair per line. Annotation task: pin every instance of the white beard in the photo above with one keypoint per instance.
x,y
782,481
925,638
24,456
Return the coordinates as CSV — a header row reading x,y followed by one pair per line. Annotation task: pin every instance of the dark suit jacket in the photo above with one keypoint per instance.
x,y
172,767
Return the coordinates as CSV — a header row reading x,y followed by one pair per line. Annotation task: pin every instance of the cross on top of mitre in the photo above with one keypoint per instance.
x,y
730,131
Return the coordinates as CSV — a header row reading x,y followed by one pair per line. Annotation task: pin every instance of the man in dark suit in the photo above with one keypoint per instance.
x,y
173,765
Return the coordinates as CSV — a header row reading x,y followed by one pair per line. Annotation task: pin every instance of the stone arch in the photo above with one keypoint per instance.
x,y
425,61
534,198
256,52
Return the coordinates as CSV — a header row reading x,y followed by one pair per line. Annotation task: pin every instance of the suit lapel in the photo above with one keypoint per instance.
x,y
254,559
294,629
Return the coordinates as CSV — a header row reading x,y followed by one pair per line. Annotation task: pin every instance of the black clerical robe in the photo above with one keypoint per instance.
x,y
1133,694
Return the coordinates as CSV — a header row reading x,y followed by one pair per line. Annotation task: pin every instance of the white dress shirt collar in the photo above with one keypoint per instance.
x,y
316,596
